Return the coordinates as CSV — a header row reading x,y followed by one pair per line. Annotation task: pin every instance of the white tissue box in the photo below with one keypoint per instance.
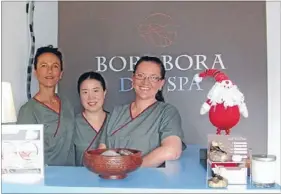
x,y
235,175
232,172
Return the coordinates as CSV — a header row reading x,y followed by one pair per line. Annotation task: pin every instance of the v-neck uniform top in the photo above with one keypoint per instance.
x,y
58,129
144,132
85,137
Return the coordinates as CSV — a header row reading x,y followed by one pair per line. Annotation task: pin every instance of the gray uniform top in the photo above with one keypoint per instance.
x,y
58,129
146,131
85,137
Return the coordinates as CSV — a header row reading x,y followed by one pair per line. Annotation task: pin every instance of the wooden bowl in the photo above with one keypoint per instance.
x,y
112,167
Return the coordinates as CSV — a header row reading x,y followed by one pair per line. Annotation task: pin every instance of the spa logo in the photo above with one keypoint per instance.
x,y
158,29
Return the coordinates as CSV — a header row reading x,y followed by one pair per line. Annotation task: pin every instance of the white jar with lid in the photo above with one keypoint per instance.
x,y
263,170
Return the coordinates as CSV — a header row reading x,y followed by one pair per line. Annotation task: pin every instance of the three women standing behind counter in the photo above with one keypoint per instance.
x,y
147,124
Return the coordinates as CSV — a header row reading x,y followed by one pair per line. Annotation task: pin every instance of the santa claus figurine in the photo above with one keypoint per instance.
x,y
225,102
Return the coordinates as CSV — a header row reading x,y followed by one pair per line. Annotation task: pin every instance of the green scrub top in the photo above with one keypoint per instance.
x,y
85,137
58,129
144,132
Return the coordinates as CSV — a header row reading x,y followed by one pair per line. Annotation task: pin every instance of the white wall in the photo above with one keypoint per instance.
x,y
273,72
15,41
14,48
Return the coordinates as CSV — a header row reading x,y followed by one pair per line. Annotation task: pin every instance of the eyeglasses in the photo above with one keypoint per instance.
x,y
141,76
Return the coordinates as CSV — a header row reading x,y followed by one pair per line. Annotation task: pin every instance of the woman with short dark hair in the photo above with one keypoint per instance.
x,y
51,109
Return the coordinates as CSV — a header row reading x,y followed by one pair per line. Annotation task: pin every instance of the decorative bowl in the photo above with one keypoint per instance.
x,y
112,167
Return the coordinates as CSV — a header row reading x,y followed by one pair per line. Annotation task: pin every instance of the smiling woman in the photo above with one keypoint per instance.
x,y
93,119
148,123
51,109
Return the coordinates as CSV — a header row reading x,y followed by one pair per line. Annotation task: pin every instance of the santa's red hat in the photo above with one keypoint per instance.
x,y
218,75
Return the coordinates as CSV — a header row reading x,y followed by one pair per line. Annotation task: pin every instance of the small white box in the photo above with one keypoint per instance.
x,y
234,172
235,175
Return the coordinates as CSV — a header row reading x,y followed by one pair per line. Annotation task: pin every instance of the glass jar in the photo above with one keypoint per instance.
x,y
263,170
248,162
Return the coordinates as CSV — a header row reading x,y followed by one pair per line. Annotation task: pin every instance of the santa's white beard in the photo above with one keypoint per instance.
x,y
228,96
